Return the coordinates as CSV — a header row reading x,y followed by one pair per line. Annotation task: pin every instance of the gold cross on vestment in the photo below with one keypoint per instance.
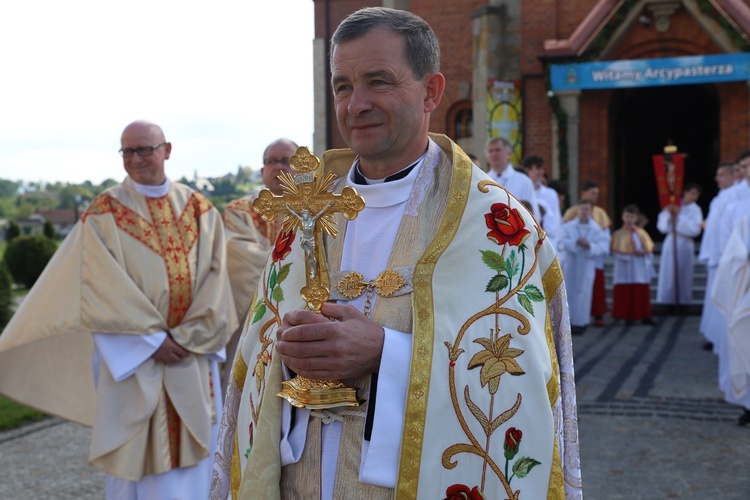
x,y
308,203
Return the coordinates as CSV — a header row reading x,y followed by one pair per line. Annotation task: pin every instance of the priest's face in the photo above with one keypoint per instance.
x,y
276,160
146,165
498,155
724,177
382,109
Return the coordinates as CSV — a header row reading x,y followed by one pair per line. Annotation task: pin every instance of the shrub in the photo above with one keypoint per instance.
x,y
13,231
26,257
49,230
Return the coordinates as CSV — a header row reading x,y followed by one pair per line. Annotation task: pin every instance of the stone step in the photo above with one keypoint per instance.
x,y
699,279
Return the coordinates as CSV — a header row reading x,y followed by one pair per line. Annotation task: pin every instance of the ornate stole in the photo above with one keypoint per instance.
x,y
417,230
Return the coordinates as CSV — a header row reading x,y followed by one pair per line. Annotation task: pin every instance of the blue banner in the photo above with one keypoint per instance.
x,y
651,72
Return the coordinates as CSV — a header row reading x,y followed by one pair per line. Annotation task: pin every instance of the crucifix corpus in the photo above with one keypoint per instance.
x,y
308,204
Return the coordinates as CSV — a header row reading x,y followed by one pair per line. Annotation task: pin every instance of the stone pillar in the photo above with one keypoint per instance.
x,y
496,32
570,100
320,96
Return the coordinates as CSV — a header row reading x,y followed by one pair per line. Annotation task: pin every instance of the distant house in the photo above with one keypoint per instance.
x,y
202,184
62,219
33,224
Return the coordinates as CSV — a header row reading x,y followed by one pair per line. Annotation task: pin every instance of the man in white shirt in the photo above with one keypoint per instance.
x,y
712,321
498,151
737,200
681,224
548,199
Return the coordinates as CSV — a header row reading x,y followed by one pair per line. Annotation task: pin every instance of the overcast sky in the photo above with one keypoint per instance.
x,y
223,79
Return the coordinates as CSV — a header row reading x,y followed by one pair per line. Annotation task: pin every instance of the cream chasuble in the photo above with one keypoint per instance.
x,y
132,265
249,241
490,401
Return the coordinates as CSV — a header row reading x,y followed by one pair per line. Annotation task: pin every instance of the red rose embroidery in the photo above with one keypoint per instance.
x,y
462,492
283,245
512,442
506,225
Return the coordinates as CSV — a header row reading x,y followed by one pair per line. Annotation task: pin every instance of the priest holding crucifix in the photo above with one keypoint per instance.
x,y
447,311
680,224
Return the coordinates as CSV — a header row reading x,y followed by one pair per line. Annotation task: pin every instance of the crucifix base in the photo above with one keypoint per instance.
x,y
303,392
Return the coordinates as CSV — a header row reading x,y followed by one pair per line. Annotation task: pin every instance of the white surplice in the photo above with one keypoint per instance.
x,y
519,185
579,267
687,226
552,218
712,323
731,293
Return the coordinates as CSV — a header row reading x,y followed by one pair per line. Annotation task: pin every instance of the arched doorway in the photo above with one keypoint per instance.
x,y
642,121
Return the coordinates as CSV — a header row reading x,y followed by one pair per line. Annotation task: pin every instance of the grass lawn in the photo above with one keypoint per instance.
x,y
14,415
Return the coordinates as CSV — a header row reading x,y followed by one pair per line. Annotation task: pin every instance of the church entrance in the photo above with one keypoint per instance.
x,y
643,120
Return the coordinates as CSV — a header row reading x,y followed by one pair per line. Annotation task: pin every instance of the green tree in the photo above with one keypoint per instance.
x,y
26,257
13,231
6,297
108,183
8,207
49,230
72,192
8,188
40,202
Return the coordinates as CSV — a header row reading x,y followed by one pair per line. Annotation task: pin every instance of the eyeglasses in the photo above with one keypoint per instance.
x,y
271,161
142,151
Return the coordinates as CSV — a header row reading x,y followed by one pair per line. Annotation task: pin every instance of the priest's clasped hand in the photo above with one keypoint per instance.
x,y
315,347
170,352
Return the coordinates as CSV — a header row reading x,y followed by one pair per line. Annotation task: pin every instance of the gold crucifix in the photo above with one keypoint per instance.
x,y
308,204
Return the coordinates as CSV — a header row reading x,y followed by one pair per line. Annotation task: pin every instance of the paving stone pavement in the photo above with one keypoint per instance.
x,y
653,425
652,421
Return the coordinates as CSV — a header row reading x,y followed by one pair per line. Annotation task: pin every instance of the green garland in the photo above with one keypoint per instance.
x,y
562,128
594,50
738,39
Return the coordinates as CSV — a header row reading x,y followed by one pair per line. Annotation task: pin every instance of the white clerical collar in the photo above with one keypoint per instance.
x,y
504,174
386,194
152,191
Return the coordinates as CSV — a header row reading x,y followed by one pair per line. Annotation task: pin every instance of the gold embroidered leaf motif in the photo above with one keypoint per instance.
x,y
260,368
495,360
477,412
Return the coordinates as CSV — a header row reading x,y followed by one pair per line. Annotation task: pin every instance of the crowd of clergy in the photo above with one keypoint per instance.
x,y
585,235
582,236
